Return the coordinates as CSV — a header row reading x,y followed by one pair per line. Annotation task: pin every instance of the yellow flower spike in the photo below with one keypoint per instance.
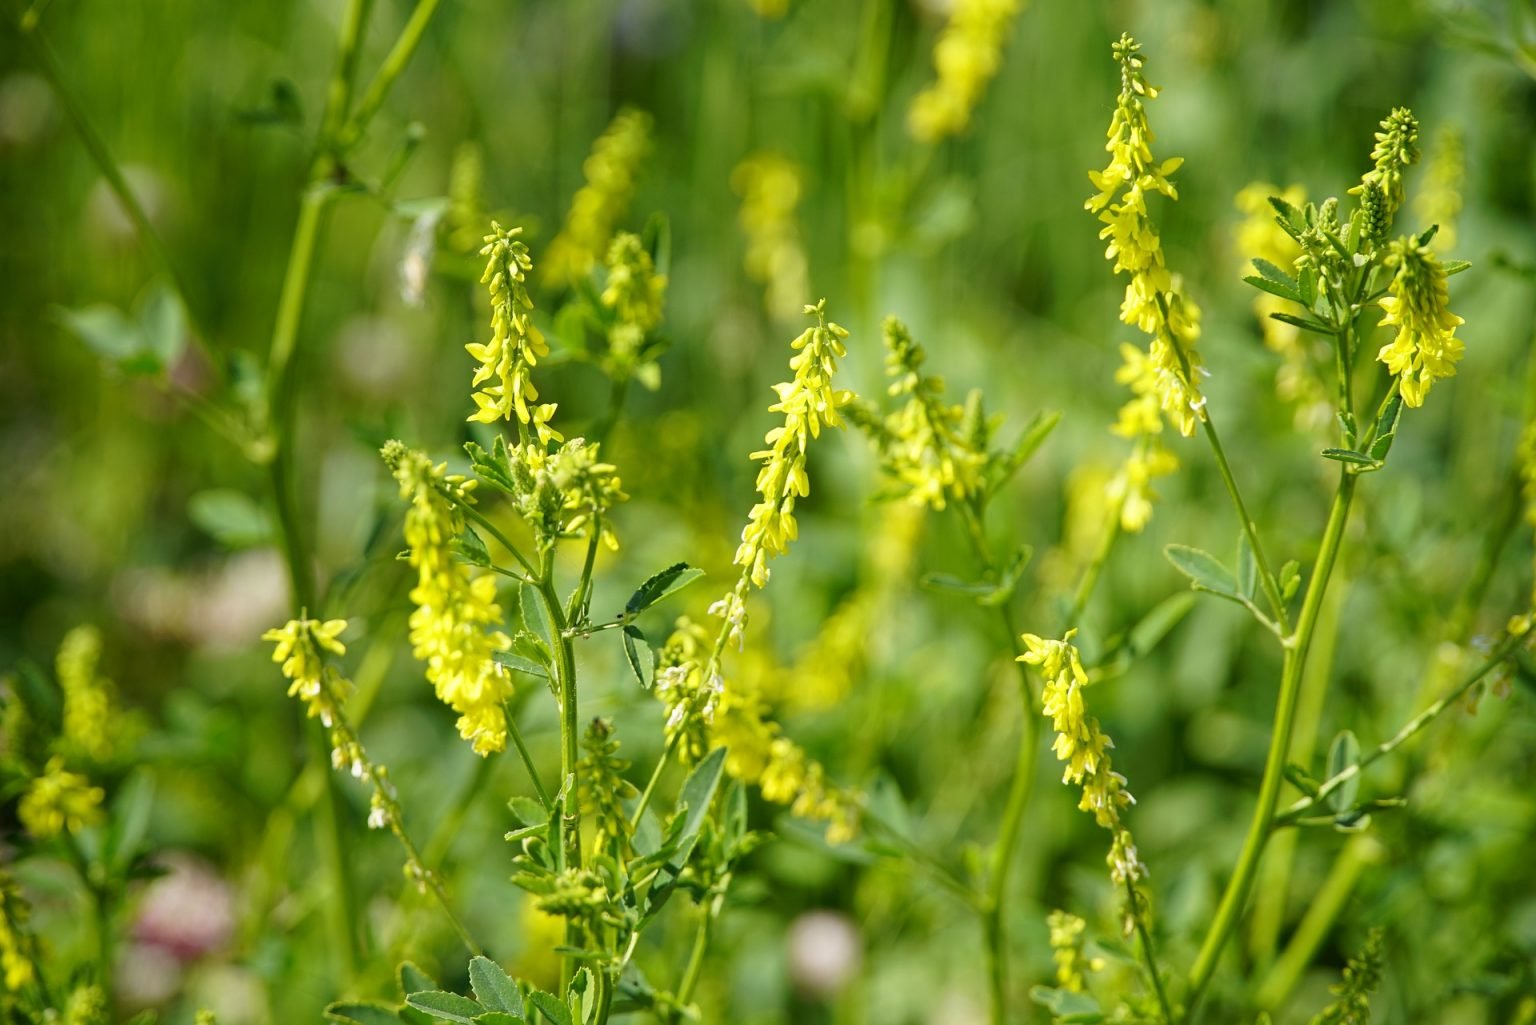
x,y
456,629
1426,347
57,801
771,187
516,345
966,58
610,172
87,697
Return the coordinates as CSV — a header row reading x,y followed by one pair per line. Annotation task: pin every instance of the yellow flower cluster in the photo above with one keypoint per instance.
x,y
771,188
16,967
1130,490
59,800
1426,347
923,447
87,697
1396,148
1067,951
966,57
807,401
610,171
1084,747
1439,200
1162,381
456,628
300,644
709,713
515,345
1259,237
634,292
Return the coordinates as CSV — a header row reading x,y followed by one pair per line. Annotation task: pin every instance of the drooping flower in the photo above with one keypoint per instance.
x,y
1084,747
516,345
965,59
1426,347
610,171
456,628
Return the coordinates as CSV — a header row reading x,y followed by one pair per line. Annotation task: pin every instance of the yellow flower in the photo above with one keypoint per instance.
x,y
610,172
966,57
1426,347
1154,302
807,401
1067,951
299,646
58,800
456,628
87,697
1084,747
1131,488
770,188
516,345
16,966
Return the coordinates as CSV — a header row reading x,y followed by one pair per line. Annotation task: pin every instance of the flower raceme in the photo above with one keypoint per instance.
x,y
1426,347
58,800
610,171
1083,747
966,57
771,187
807,401
516,345
456,628
1153,302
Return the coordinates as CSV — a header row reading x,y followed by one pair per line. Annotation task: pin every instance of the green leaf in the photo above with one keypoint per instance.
x,y
1306,284
512,660
468,547
632,654
1035,432
446,1006
551,1007
1275,288
1455,266
1300,779
1066,1006
694,800
493,467
107,331
1290,218
1351,458
499,1018
1204,571
1290,579
1247,568
363,1013
1386,427
1155,625
1305,323
230,517
1008,581
131,810
162,324
669,580
528,811
1342,754
492,985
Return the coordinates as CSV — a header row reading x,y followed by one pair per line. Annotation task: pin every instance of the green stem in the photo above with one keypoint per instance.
x,y
394,64
1147,952
693,971
1267,578
1321,913
1403,735
522,750
1259,829
341,916
650,786
495,532
565,680
1095,567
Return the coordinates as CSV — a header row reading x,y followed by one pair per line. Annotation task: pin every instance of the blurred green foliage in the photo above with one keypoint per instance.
x,y
122,508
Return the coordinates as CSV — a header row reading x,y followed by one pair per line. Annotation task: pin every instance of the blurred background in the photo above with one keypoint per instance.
x,y
782,164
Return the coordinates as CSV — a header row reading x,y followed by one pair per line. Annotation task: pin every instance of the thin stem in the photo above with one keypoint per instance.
x,y
495,532
565,680
1267,578
522,750
695,966
1095,567
384,79
341,912
101,907
1403,735
1259,829
1147,951
650,786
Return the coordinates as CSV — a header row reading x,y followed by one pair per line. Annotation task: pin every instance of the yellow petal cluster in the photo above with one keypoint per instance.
x,y
1083,747
300,646
456,628
1153,302
610,171
709,713
16,968
807,401
57,800
771,187
1130,489
634,292
1067,951
87,697
1426,347
516,344
922,445
966,57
